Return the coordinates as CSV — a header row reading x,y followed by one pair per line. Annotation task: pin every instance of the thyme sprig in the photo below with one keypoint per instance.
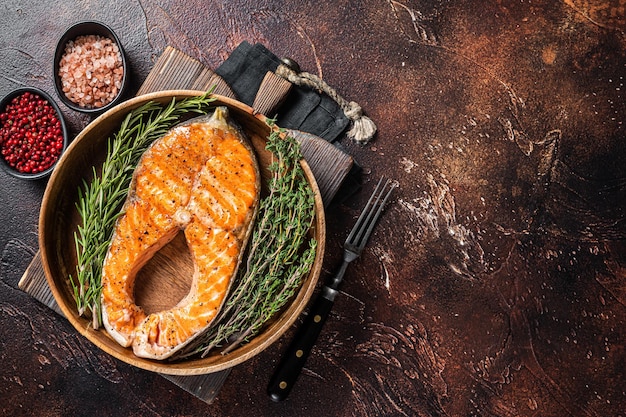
x,y
279,255
100,200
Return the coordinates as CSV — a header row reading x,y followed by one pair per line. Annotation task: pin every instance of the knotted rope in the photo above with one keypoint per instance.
x,y
363,128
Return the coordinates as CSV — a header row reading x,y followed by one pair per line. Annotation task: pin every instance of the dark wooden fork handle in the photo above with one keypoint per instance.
x,y
295,356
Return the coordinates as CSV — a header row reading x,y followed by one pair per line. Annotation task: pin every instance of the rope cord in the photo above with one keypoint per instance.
x,y
363,128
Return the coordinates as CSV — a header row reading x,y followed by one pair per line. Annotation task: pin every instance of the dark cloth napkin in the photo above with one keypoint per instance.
x,y
304,109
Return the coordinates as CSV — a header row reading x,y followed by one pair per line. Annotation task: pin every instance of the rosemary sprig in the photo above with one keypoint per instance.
x,y
101,200
276,261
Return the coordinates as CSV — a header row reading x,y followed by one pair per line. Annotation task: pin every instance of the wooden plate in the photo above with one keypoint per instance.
x,y
59,219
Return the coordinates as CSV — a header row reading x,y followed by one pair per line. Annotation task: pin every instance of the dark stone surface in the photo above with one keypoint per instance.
x,y
495,285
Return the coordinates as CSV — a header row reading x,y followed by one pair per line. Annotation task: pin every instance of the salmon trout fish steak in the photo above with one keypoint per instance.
x,y
201,178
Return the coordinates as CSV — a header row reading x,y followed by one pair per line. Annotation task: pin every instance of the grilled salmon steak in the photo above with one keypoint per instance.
x,y
202,177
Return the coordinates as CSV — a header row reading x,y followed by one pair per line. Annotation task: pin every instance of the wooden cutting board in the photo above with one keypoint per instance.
x,y
175,70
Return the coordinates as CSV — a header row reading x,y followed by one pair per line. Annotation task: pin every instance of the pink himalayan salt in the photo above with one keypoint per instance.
x,y
91,71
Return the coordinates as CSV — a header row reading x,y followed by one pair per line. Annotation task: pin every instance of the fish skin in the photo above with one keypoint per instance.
x,y
203,178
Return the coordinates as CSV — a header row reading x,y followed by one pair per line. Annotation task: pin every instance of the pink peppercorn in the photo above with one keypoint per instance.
x,y
31,135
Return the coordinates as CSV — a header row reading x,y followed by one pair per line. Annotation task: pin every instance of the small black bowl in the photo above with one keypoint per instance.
x,y
3,104
81,29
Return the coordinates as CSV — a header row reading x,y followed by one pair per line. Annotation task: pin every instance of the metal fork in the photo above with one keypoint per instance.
x,y
296,354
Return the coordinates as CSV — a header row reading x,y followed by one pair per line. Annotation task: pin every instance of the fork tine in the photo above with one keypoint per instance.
x,y
364,213
369,211
374,214
372,210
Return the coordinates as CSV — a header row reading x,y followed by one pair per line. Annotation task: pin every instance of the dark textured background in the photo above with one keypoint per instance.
x,y
495,285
